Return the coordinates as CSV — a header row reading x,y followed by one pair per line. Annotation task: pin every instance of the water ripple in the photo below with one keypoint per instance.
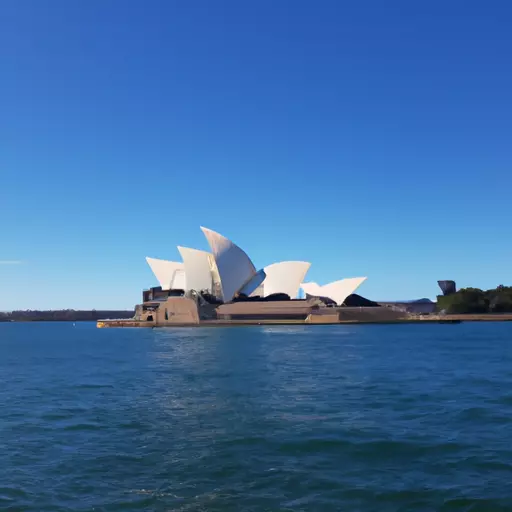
x,y
362,418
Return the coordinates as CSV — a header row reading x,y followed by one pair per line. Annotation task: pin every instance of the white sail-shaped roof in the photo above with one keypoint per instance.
x,y
180,280
285,277
312,289
337,291
234,266
200,268
252,285
166,272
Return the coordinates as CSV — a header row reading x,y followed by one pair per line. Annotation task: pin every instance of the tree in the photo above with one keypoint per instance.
x,y
466,300
500,300
474,300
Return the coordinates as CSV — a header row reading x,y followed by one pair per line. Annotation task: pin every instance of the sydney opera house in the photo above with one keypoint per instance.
x,y
223,285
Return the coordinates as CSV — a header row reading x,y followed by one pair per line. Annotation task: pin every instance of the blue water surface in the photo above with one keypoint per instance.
x,y
357,418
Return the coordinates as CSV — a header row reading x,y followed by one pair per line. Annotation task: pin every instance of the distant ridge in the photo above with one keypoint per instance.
x,y
409,301
63,315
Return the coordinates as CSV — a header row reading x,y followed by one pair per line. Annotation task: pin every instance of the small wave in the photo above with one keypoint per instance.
x,y
132,425
11,493
83,426
475,505
92,386
473,413
155,492
303,500
314,445
372,449
393,448
55,416
244,441
503,400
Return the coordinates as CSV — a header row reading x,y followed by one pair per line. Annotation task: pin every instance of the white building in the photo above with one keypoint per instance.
x,y
337,291
201,271
234,266
169,274
227,271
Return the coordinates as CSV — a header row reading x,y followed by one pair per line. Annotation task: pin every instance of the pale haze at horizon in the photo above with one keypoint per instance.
x,y
371,139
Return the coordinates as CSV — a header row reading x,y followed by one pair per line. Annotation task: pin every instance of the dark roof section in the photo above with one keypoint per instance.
x,y
356,301
447,287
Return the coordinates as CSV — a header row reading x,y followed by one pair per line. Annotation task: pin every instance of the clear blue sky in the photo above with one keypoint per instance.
x,y
371,138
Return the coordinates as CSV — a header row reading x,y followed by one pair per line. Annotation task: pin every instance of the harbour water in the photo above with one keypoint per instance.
x,y
349,417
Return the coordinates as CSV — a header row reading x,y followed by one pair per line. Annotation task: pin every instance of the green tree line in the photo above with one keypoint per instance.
x,y
474,300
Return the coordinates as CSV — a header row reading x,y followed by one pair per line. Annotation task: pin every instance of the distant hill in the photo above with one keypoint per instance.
x,y
63,315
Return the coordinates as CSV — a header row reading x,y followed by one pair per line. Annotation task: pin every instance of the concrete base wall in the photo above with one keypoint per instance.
x,y
370,315
261,310
323,319
347,314
177,310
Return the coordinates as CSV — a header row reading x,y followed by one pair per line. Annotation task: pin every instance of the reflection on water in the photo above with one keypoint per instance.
x,y
295,330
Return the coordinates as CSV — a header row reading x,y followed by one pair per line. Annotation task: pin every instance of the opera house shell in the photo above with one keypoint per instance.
x,y
227,273
169,274
223,284
336,291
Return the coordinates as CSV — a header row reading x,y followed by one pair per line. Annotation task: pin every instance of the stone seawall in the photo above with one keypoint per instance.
x,y
331,319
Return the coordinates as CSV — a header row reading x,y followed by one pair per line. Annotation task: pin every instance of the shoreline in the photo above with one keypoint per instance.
x,y
437,319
